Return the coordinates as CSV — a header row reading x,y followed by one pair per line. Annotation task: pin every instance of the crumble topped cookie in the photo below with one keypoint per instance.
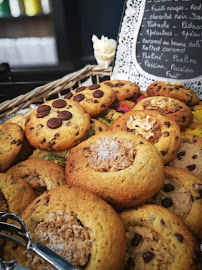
x,y
170,107
174,90
122,168
94,98
40,174
57,125
182,194
77,225
158,239
123,89
159,130
11,138
189,155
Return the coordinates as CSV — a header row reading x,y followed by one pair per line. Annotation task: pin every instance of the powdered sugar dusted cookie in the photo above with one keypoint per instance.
x,y
123,89
159,130
170,107
94,98
122,168
174,90
57,125
189,155
182,194
158,239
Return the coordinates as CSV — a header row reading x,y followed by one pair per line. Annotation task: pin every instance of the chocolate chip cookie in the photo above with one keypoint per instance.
x,y
123,89
158,239
189,155
170,107
11,138
77,225
96,127
159,130
182,194
94,98
15,194
122,168
174,90
57,125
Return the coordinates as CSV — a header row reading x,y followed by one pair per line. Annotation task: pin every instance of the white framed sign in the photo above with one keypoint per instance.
x,y
160,40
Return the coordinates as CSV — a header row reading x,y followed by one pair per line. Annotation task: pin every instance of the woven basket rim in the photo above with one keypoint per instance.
x,y
40,93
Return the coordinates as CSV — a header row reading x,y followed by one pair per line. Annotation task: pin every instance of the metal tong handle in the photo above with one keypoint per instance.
x,y
50,256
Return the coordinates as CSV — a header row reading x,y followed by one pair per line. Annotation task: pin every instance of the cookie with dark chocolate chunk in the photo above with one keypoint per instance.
x,y
11,139
57,125
174,90
158,239
94,98
189,155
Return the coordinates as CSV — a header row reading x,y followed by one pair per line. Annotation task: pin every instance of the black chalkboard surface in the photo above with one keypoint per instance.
x,y
161,40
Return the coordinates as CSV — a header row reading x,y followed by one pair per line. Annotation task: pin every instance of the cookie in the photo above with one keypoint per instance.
x,y
40,174
158,239
123,106
94,98
79,226
57,125
123,89
182,194
159,130
109,115
189,155
96,127
58,157
15,194
11,138
174,90
122,168
171,108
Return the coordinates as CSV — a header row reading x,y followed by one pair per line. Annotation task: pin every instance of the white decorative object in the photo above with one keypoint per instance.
x,y
104,50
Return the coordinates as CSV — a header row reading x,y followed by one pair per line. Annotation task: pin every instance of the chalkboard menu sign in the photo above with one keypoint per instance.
x,y
160,40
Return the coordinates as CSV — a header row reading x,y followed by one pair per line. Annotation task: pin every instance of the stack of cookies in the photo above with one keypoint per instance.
x,y
111,177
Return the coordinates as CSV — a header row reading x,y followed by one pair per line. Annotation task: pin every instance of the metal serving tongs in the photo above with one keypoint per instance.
x,y
24,239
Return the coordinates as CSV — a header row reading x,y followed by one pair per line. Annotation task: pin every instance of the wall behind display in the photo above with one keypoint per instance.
x,y
99,17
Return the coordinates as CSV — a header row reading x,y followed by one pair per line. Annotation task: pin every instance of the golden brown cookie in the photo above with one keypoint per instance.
x,y
94,98
159,130
123,89
170,107
57,125
182,194
122,168
189,155
158,239
15,194
77,225
40,174
96,127
11,138
174,90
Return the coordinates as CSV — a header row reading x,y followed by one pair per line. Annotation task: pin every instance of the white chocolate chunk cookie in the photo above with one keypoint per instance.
x,y
57,125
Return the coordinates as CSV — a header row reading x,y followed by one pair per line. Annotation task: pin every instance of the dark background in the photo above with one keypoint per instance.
x,y
73,23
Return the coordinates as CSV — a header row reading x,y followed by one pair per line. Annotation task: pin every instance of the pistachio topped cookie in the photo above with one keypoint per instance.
x,y
159,130
57,125
174,90
94,98
122,168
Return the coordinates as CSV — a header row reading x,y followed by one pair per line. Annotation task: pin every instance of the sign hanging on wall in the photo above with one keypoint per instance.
x,y
160,40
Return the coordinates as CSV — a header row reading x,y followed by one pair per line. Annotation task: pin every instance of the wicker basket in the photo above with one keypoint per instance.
x,y
54,89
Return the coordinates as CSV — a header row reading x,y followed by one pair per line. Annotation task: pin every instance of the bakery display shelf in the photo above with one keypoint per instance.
x,y
55,89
